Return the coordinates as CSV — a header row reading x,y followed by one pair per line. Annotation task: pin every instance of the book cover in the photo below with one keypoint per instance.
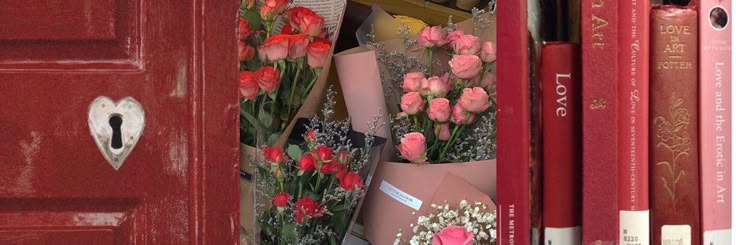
x,y
561,134
673,148
715,120
599,43
633,108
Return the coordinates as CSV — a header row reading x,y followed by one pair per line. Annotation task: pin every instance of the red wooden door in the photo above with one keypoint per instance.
x,y
178,59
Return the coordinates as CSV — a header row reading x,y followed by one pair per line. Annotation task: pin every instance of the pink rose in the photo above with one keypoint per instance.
x,y
488,82
311,24
245,52
460,116
466,66
455,35
413,147
412,81
442,131
244,29
248,85
436,86
298,46
466,44
487,52
274,48
474,100
412,103
317,54
439,110
432,37
453,235
268,78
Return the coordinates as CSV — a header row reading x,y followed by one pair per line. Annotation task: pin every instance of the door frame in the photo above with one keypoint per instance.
x,y
214,194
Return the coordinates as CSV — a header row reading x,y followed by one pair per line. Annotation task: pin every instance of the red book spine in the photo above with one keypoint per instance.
x,y
633,122
716,20
513,194
673,147
600,121
562,156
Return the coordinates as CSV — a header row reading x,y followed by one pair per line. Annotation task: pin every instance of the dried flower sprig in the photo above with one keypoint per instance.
x,y
476,217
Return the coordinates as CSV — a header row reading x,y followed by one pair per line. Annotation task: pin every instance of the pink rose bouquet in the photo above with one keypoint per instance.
x,y
438,112
278,69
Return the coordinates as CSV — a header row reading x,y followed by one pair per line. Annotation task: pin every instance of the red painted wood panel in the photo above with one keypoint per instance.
x,y
57,19
179,185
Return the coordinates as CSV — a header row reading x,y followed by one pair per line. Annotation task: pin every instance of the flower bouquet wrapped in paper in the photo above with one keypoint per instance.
x,y
439,90
308,192
285,50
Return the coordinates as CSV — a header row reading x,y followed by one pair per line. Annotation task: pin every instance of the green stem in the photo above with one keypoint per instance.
x,y
416,122
269,28
430,53
293,89
452,140
319,181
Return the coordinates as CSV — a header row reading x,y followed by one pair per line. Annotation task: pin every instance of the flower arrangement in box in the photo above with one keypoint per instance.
x,y
468,224
312,187
278,70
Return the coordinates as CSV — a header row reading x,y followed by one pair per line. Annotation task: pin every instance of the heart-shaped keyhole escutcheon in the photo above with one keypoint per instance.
x,y
116,127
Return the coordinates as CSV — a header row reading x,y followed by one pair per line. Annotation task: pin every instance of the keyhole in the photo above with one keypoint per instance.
x,y
117,139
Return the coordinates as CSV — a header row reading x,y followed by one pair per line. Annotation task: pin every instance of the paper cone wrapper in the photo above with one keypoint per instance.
x,y
360,81
247,219
398,192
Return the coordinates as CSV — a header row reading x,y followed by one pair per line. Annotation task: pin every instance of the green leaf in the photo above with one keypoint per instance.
x,y
341,220
253,18
294,152
265,118
248,117
273,138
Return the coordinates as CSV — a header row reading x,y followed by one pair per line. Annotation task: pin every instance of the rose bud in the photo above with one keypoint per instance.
x,y
248,85
439,110
488,81
442,131
295,14
466,44
274,155
311,24
460,116
487,52
244,29
466,66
324,153
245,52
436,86
432,37
343,157
317,54
455,35
307,162
268,78
413,147
453,235
306,207
281,200
298,46
350,180
412,81
474,100
274,48
310,136
271,8
412,103
287,29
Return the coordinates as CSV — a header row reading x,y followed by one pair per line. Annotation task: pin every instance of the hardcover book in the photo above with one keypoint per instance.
x,y
715,120
561,133
673,147
599,44
633,114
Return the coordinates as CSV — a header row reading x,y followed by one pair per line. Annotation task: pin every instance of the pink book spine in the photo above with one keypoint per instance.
x,y
715,120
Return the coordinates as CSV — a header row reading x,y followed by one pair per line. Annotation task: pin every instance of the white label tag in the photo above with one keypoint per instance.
x,y
368,181
562,236
634,227
676,235
400,195
717,237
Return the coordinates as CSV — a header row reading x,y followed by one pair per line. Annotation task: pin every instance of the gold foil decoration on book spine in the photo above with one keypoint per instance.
x,y
598,104
673,136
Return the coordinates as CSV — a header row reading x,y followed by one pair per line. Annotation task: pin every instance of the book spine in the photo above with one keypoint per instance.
x,y
633,125
513,194
673,147
715,120
562,172
599,44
